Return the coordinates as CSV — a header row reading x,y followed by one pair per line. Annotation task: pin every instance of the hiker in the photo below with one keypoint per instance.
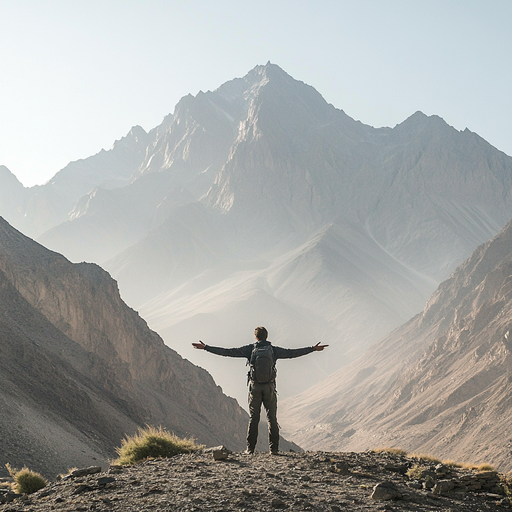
x,y
261,357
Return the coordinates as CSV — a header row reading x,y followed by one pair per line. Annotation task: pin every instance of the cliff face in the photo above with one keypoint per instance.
x,y
75,358
54,409
442,383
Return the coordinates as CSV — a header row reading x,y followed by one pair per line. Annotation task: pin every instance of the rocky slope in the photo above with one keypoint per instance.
x,y
328,482
440,384
79,368
260,203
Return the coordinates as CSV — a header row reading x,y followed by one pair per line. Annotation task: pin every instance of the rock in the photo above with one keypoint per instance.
x,y
218,452
45,493
219,455
397,468
429,482
443,487
9,496
278,503
82,488
493,496
92,470
340,467
115,470
104,480
427,473
385,491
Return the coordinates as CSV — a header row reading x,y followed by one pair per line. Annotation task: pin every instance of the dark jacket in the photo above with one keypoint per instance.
x,y
246,351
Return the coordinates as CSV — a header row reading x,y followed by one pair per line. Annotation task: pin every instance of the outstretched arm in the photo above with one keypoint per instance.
x,y
289,353
229,352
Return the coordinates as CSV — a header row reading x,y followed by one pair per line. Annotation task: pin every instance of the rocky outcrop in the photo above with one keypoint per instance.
x,y
291,481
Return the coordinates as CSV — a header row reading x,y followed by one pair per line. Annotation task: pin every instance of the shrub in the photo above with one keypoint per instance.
x,y
485,467
455,464
152,442
426,457
26,481
505,485
414,473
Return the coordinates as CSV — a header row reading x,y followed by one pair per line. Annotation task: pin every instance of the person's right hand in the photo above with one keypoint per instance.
x,y
199,345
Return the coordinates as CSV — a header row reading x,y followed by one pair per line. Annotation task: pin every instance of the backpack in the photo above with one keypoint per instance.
x,y
263,366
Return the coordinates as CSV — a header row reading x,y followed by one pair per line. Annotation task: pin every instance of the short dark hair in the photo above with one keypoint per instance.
x,y
261,333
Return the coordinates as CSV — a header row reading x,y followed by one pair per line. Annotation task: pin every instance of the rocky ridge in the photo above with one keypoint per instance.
x,y
222,481
441,383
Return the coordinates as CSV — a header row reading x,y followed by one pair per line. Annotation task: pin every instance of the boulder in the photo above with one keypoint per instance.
x,y
385,491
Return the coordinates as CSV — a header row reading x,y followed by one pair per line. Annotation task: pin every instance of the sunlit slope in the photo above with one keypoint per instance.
x,y
441,383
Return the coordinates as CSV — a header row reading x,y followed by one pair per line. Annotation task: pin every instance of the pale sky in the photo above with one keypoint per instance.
x,y
77,75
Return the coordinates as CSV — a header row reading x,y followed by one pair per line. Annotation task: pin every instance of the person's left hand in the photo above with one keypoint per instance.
x,y
199,345
318,347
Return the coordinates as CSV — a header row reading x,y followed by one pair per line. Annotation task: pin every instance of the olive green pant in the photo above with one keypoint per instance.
x,y
263,394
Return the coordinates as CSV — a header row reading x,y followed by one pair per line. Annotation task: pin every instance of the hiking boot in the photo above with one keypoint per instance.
x,y
249,452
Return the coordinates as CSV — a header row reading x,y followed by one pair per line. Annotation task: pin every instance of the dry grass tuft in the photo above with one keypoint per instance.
x,y
452,463
426,457
455,464
26,481
393,451
485,467
152,442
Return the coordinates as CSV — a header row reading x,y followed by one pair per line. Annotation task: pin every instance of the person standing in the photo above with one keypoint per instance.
x,y
262,356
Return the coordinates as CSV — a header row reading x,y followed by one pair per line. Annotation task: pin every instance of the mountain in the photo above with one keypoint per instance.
x,y
37,209
440,384
260,203
79,369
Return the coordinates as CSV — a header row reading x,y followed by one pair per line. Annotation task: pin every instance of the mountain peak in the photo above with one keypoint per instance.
x,y
270,73
136,134
420,118
241,88
422,123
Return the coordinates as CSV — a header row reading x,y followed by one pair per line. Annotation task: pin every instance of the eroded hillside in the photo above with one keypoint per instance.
x,y
442,383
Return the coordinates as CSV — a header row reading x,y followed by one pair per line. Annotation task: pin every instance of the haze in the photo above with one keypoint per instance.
x,y
77,75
